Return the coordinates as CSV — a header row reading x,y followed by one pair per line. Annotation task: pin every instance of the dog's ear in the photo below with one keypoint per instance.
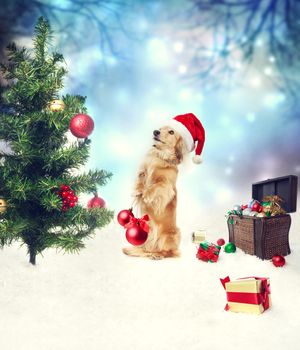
x,y
179,150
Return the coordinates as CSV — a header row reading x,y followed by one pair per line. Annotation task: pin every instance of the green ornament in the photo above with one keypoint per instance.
x,y
230,247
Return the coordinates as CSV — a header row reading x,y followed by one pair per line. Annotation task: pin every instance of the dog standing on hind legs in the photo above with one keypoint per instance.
x,y
155,190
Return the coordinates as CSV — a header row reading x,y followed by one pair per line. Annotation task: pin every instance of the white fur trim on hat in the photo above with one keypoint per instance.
x,y
184,132
197,159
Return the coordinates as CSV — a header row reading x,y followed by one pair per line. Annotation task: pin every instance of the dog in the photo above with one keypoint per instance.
x,y
156,195
155,189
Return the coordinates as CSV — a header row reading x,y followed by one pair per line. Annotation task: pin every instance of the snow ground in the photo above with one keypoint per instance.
x,y
102,299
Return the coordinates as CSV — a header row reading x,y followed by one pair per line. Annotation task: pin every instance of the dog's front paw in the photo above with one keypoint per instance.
x,y
148,197
156,256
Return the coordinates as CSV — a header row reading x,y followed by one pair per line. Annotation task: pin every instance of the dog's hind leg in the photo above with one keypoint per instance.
x,y
140,252
134,251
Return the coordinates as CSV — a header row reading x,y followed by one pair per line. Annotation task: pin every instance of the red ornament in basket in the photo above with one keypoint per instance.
x,y
208,252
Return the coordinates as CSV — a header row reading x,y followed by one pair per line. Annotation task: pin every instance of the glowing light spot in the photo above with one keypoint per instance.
x,y
182,69
268,71
63,4
112,61
142,24
259,42
157,52
207,53
155,114
178,47
274,99
228,171
223,195
272,59
185,94
238,65
251,117
255,81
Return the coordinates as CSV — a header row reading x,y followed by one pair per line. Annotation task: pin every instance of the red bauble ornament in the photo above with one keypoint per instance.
x,y
81,125
244,206
220,241
124,216
135,235
278,260
96,202
256,207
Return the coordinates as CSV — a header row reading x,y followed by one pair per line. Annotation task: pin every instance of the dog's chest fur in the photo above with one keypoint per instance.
x,y
157,170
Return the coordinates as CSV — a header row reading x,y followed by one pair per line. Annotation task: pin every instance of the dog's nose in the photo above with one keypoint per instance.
x,y
156,132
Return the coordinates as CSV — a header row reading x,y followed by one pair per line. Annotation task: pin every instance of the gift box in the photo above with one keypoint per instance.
x,y
250,294
208,252
266,236
198,236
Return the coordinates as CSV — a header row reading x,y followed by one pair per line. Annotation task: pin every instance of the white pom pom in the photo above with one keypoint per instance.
x,y
197,159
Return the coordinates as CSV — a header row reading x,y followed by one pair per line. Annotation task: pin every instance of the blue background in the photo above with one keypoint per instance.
x,y
140,68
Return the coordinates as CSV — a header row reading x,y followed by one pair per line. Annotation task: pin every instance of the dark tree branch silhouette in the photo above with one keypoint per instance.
x,y
75,20
16,17
228,30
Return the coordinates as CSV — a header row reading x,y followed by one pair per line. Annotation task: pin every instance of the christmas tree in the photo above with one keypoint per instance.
x,y
39,170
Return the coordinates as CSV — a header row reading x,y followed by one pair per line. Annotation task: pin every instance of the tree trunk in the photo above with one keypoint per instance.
x,y
32,255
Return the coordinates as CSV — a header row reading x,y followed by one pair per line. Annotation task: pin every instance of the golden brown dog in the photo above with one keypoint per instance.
x,y
156,195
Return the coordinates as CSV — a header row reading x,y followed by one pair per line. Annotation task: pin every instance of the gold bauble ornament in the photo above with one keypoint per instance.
x,y
56,106
3,205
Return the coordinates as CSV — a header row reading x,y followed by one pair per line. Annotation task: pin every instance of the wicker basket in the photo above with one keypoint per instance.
x,y
263,237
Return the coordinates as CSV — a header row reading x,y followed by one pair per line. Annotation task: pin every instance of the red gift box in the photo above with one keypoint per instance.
x,y
249,294
208,252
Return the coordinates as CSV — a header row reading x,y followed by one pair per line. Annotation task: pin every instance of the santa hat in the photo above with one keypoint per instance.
x,y
192,131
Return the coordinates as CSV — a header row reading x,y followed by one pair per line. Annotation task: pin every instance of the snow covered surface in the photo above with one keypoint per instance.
x,y
102,299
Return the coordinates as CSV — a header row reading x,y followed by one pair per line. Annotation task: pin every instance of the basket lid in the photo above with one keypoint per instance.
x,y
285,187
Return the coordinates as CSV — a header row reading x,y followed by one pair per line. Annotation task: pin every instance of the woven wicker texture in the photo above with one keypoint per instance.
x,y
276,236
263,237
243,233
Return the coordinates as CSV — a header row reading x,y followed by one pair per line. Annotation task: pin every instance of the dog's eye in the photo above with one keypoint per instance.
x,y
171,132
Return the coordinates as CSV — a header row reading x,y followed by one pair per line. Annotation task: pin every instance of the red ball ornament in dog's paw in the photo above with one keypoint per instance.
x,y
278,260
96,202
124,216
135,235
81,125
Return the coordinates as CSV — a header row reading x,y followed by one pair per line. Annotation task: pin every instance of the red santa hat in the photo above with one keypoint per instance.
x,y
192,132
